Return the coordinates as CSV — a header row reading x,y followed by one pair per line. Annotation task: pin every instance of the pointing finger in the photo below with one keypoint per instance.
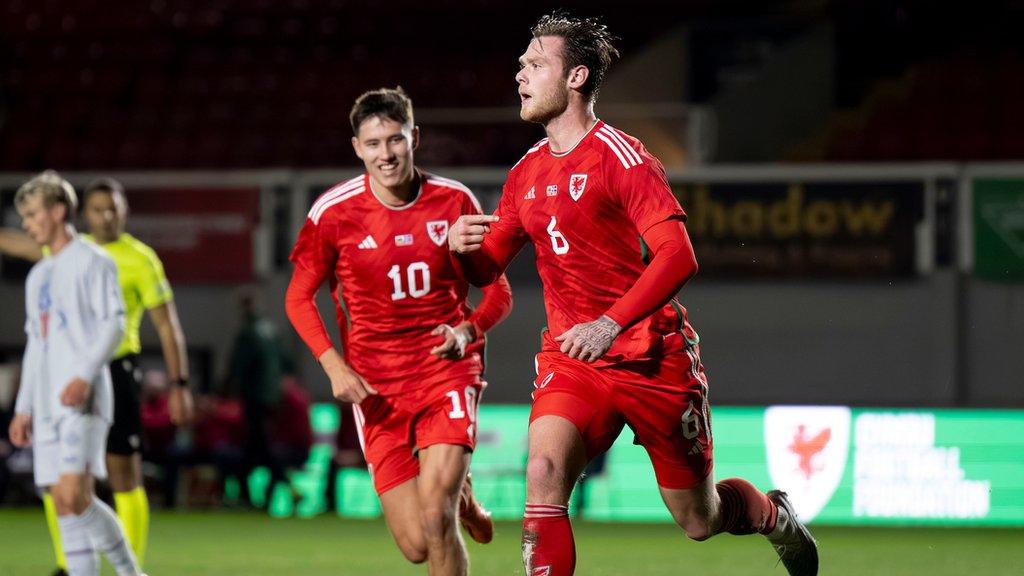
x,y
479,218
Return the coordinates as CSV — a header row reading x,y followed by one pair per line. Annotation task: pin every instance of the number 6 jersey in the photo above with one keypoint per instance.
x,y
392,278
585,210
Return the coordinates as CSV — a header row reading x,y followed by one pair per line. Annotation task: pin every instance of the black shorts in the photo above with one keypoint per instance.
x,y
125,437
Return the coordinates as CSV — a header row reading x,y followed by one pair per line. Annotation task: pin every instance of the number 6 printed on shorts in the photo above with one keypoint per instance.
x,y
691,423
457,412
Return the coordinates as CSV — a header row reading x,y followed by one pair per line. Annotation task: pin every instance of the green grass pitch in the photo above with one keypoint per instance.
x,y
251,544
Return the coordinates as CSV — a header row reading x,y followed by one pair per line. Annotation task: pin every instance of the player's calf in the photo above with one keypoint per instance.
x,y
79,552
548,543
744,509
88,529
108,538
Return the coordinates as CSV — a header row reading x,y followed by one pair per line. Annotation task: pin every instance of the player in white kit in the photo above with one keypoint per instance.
x,y
75,319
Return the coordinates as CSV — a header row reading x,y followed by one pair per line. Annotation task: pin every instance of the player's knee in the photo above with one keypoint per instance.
x,y
120,482
543,475
412,552
438,522
61,502
698,534
413,547
70,500
696,528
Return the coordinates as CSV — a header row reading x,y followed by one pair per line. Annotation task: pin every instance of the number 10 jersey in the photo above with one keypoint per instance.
x,y
391,277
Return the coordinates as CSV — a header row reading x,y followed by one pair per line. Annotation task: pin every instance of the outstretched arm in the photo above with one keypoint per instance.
x,y
18,244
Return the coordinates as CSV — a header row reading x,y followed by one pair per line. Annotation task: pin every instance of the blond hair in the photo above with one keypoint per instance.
x,y
52,188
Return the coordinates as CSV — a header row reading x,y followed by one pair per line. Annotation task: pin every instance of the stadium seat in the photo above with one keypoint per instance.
x,y
952,109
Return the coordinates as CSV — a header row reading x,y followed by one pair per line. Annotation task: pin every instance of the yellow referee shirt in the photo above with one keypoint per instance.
x,y
143,283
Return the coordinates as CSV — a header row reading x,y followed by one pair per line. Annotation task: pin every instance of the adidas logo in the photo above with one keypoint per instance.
x,y
367,243
530,195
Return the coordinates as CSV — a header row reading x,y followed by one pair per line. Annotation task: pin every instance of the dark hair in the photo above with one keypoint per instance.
x,y
105,184
587,43
391,103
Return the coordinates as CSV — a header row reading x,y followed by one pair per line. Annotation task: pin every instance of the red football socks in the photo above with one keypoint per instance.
x,y
548,545
745,509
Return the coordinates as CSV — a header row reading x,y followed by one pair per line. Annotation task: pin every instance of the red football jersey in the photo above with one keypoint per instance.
x,y
584,210
392,277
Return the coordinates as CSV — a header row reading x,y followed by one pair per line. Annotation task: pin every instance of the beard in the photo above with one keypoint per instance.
x,y
541,109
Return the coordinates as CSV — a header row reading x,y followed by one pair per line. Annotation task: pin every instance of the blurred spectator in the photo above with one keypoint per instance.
x,y
16,482
8,391
158,431
255,373
292,434
217,437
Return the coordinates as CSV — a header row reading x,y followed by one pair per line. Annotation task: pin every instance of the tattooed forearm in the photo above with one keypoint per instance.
x,y
599,334
591,340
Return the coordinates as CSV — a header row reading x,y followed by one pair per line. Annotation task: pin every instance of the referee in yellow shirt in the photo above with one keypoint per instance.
x,y
145,287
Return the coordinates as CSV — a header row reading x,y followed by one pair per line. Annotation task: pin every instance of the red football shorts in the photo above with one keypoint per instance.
x,y
392,428
664,402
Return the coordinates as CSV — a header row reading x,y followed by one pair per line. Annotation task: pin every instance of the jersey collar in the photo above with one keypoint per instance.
x,y
597,123
419,192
